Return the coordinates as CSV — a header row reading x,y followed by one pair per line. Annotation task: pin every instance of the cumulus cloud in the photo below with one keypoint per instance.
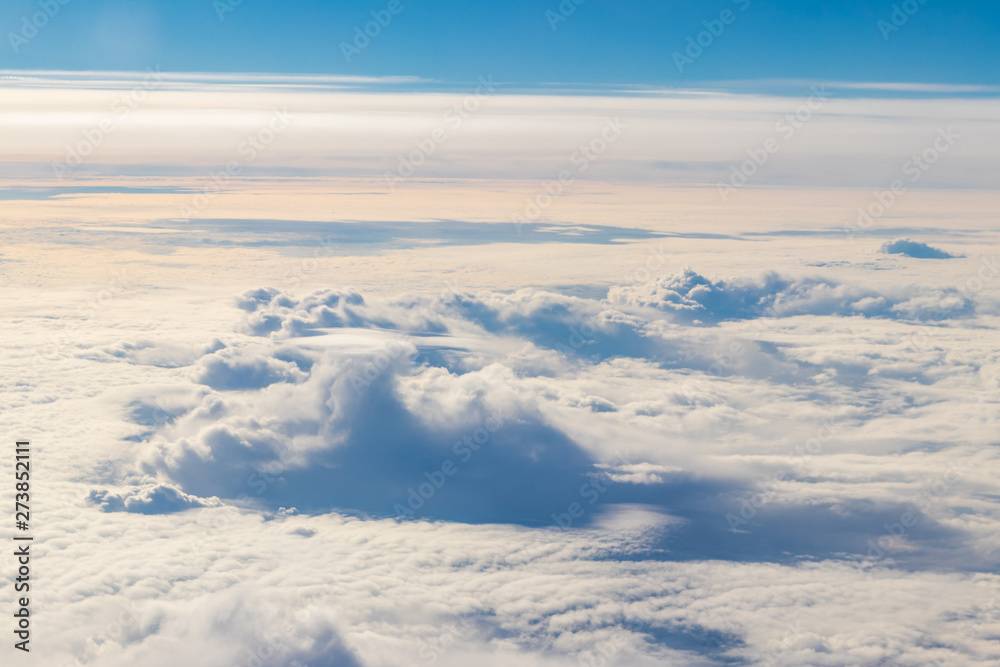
x,y
150,352
527,477
150,498
413,441
236,368
695,297
916,249
418,422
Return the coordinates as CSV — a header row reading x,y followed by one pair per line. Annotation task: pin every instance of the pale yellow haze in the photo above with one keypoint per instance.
x,y
357,151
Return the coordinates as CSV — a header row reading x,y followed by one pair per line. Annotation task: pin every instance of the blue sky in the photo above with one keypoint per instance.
x,y
601,41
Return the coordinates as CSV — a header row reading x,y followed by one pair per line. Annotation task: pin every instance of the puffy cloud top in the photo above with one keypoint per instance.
x,y
916,249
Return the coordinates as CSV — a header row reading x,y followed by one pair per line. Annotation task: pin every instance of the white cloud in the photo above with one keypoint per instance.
x,y
692,137
783,455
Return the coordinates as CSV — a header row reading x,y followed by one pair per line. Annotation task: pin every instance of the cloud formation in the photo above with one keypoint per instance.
x,y
914,249
507,408
711,467
686,134
695,297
